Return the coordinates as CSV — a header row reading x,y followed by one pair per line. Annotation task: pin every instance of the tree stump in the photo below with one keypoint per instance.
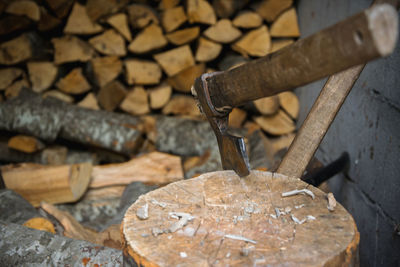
x,y
220,219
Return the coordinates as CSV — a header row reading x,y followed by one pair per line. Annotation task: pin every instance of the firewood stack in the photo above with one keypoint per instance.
x,y
128,67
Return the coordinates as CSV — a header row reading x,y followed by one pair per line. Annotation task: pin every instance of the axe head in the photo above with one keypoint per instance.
x,y
231,147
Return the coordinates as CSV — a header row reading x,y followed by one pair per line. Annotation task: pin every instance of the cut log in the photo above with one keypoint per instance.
x,y
247,20
271,9
182,105
172,18
14,208
141,15
175,60
24,143
160,96
74,83
80,23
71,48
200,11
53,184
14,89
153,168
58,95
277,124
184,80
120,23
42,75
54,155
165,4
105,69
11,23
8,76
40,223
184,36
223,32
237,117
99,8
149,39
207,50
142,72
286,25
16,50
290,103
60,7
24,8
51,118
221,208
47,21
136,102
226,9
255,43
89,102
267,105
279,44
109,43
111,95
16,237
115,191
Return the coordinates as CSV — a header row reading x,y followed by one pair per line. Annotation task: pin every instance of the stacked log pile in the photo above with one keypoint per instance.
x,y
109,82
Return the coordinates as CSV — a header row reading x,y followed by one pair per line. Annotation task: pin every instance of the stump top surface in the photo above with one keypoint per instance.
x,y
227,208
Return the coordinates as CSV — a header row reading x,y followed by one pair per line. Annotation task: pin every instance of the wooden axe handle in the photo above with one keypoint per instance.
x,y
354,41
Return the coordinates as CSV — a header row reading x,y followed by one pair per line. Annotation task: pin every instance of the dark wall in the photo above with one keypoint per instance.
x,y
368,127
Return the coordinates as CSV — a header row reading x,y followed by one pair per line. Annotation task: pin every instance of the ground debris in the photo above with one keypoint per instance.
x,y
297,191
238,237
161,204
307,219
183,218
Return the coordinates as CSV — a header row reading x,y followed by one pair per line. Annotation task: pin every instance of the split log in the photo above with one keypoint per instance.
x,y
175,60
279,44
172,18
247,20
182,105
18,241
267,105
160,96
200,11
42,75
54,155
27,144
114,191
165,4
74,82
289,103
255,43
79,22
89,102
223,32
53,184
8,76
111,95
47,21
231,61
50,118
142,72
136,102
149,39
99,8
105,69
286,25
15,89
59,96
40,223
221,208
60,7
14,208
271,9
11,23
184,36
251,127
276,124
70,49
184,80
16,50
237,117
226,9
207,50
153,168
120,23
141,15
192,162
24,8
109,43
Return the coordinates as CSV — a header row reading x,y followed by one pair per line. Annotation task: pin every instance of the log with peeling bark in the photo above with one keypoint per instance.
x,y
111,95
42,75
14,208
53,184
175,60
184,80
173,17
27,144
153,168
50,118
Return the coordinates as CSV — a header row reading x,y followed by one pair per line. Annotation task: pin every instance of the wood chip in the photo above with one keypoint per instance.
x,y
297,192
143,212
331,202
80,23
286,25
238,237
149,39
175,60
109,43
222,32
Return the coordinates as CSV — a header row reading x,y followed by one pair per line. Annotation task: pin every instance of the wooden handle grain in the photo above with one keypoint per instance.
x,y
354,41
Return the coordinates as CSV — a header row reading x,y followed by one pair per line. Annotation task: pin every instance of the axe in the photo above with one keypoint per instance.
x,y
355,41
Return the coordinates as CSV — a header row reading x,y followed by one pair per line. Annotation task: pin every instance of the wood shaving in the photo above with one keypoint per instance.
x,y
297,220
183,218
331,202
161,204
143,212
297,192
182,254
238,237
